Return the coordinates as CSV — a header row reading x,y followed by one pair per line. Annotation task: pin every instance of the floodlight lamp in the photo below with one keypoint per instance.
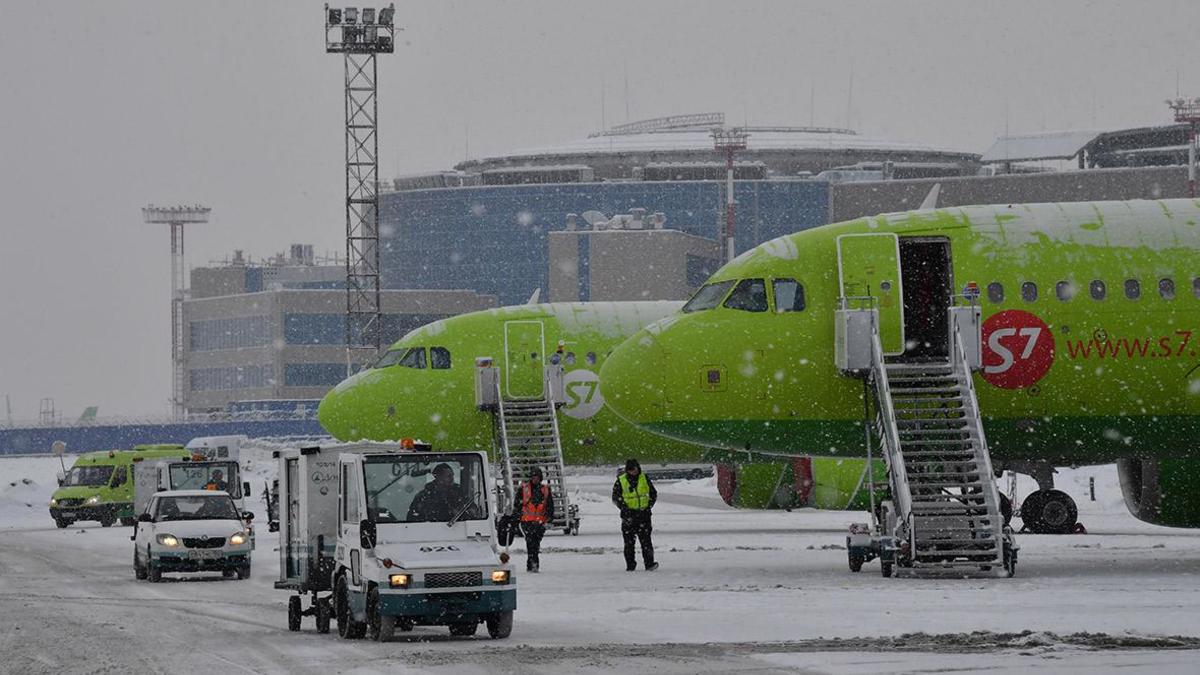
x,y
368,15
386,14
351,15
335,17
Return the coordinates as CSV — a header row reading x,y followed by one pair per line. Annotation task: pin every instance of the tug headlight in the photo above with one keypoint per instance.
x,y
94,499
239,538
167,540
499,576
399,580
53,502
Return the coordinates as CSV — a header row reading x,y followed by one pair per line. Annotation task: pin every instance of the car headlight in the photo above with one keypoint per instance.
x,y
399,580
167,540
499,576
53,502
94,499
239,538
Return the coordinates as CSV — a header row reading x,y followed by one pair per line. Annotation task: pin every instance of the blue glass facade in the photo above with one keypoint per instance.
x,y
233,377
330,329
494,239
213,334
313,374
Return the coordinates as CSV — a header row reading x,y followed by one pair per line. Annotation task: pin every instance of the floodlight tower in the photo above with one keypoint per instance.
x,y
729,141
360,34
176,217
1187,111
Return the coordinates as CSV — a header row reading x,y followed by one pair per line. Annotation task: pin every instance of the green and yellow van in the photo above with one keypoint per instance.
x,y
99,485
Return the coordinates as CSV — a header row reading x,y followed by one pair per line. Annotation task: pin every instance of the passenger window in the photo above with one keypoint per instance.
x,y
996,292
1029,291
118,477
415,358
750,295
789,296
570,358
1065,290
591,358
1196,287
555,359
1166,288
1097,289
391,358
708,296
439,358
1133,289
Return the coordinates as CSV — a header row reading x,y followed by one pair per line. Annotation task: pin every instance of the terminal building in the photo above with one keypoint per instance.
x,y
486,225
276,330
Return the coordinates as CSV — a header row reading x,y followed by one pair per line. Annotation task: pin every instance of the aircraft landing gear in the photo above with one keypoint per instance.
x,y
1050,512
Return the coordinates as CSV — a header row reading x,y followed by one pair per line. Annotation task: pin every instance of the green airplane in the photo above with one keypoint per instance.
x,y
424,387
1090,340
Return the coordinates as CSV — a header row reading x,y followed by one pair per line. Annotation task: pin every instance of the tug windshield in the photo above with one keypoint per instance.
x,y
425,488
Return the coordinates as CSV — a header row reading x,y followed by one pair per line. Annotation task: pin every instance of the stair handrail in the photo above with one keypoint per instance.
x,y
562,479
505,454
891,434
961,367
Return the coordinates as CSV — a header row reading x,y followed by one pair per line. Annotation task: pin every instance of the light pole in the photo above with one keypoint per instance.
x,y
360,34
176,217
729,141
1187,111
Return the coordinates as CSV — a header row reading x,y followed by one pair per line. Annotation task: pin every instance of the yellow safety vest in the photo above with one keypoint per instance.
x,y
637,499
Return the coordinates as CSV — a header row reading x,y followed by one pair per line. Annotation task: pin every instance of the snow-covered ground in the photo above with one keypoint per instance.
x,y
738,591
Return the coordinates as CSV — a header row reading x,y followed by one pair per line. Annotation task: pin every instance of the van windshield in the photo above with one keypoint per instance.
x,y
423,489
221,476
709,296
88,475
216,507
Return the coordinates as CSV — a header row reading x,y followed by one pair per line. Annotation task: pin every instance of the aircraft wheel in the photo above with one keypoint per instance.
x,y
1006,508
1050,512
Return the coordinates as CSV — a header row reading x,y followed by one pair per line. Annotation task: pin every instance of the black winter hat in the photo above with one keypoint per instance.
x,y
631,464
536,471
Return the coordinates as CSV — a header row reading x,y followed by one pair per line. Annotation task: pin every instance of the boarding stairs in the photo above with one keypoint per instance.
x,y
924,419
527,436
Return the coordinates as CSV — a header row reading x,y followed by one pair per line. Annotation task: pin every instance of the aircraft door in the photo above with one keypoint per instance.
x,y
524,353
869,266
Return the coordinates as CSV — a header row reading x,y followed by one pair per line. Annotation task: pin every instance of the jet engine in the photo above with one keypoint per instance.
x,y
1162,491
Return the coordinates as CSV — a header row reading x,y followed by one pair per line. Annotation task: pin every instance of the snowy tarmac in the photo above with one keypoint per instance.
x,y
738,591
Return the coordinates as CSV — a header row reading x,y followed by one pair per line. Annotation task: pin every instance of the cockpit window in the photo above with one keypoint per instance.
x,y
750,295
415,358
709,296
439,358
789,296
391,358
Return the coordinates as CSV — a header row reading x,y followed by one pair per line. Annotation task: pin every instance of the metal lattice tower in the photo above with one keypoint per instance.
x,y
176,217
360,34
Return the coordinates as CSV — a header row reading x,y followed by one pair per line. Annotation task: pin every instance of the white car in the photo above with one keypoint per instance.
x,y
192,531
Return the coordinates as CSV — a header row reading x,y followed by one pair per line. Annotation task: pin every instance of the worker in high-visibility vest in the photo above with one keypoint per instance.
x,y
634,495
537,509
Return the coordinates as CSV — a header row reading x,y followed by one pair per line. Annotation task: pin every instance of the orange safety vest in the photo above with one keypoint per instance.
x,y
530,512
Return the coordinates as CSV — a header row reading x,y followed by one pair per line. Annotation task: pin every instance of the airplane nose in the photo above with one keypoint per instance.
x,y
632,379
337,410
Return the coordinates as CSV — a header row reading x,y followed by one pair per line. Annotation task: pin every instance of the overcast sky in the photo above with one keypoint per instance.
x,y
110,106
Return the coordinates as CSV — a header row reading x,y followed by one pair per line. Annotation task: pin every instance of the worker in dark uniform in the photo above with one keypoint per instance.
x,y
217,482
439,500
537,509
634,495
